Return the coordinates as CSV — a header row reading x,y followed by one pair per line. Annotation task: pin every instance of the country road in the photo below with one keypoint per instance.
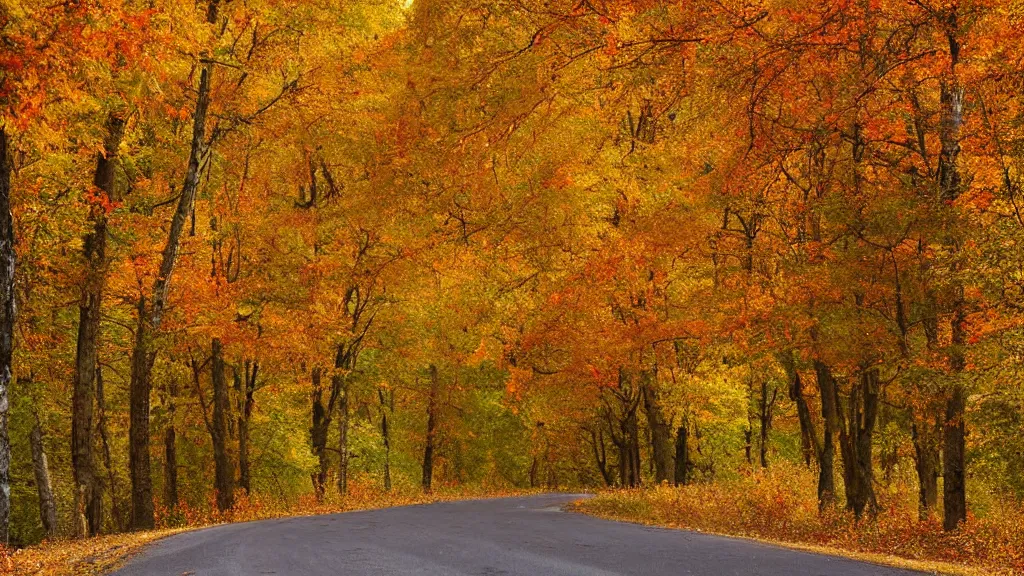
x,y
527,536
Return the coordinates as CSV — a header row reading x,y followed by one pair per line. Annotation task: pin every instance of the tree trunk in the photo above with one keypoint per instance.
x,y
856,442
143,354
170,468
627,438
428,450
94,246
318,434
766,409
830,416
808,436
954,497
661,429
138,428
682,477
343,414
101,425
7,263
224,473
385,433
630,452
865,436
244,415
47,505
925,436
597,444
171,449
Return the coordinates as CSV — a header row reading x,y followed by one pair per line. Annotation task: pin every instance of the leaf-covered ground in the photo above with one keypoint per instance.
x,y
777,508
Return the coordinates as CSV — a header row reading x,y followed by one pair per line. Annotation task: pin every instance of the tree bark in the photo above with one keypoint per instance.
x,y
627,438
765,415
856,435
954,494
170,468
926,436
597,444
138,428
631,431
950,187
171,448
89,307
224,473
143,354
661,429
385,432
318,433
101,425
428,449
954,490
7,268
47,505
830,415
682,477
247,389
343,413
808,436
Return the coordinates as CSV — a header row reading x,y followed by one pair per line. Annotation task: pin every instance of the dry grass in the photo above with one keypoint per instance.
x,y
778,507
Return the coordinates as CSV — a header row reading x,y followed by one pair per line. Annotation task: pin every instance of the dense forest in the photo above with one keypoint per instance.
x,y
294,248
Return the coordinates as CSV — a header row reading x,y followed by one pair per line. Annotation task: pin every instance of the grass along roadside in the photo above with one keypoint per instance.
x,y
104,554
771,508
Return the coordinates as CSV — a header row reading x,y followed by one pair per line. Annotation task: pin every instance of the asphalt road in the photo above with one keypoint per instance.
x,y
504,537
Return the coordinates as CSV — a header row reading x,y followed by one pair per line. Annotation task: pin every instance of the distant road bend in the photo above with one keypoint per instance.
x,y
527,536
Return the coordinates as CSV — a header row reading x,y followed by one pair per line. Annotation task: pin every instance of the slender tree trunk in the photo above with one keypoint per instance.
x,y
143,354
631,432
244,415
856,437
318,433
7,264
953,486
138,429
385,432
343,453
597,444
682,456
171,448
865,437
766,409
954,490
428,450
89,307
47,505
170,468
808,436
661,429
830,416
101,425
224,473
926,463
954,499
748,443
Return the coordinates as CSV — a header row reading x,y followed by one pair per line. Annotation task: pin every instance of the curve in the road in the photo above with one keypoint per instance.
x,y
527,536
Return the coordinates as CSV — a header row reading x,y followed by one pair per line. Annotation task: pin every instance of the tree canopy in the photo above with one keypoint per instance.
x,y
294,247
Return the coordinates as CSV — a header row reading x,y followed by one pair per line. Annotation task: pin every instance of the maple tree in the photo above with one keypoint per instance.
x,y
279,248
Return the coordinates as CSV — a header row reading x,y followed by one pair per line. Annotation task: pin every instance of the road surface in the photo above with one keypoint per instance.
x,y
528,536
